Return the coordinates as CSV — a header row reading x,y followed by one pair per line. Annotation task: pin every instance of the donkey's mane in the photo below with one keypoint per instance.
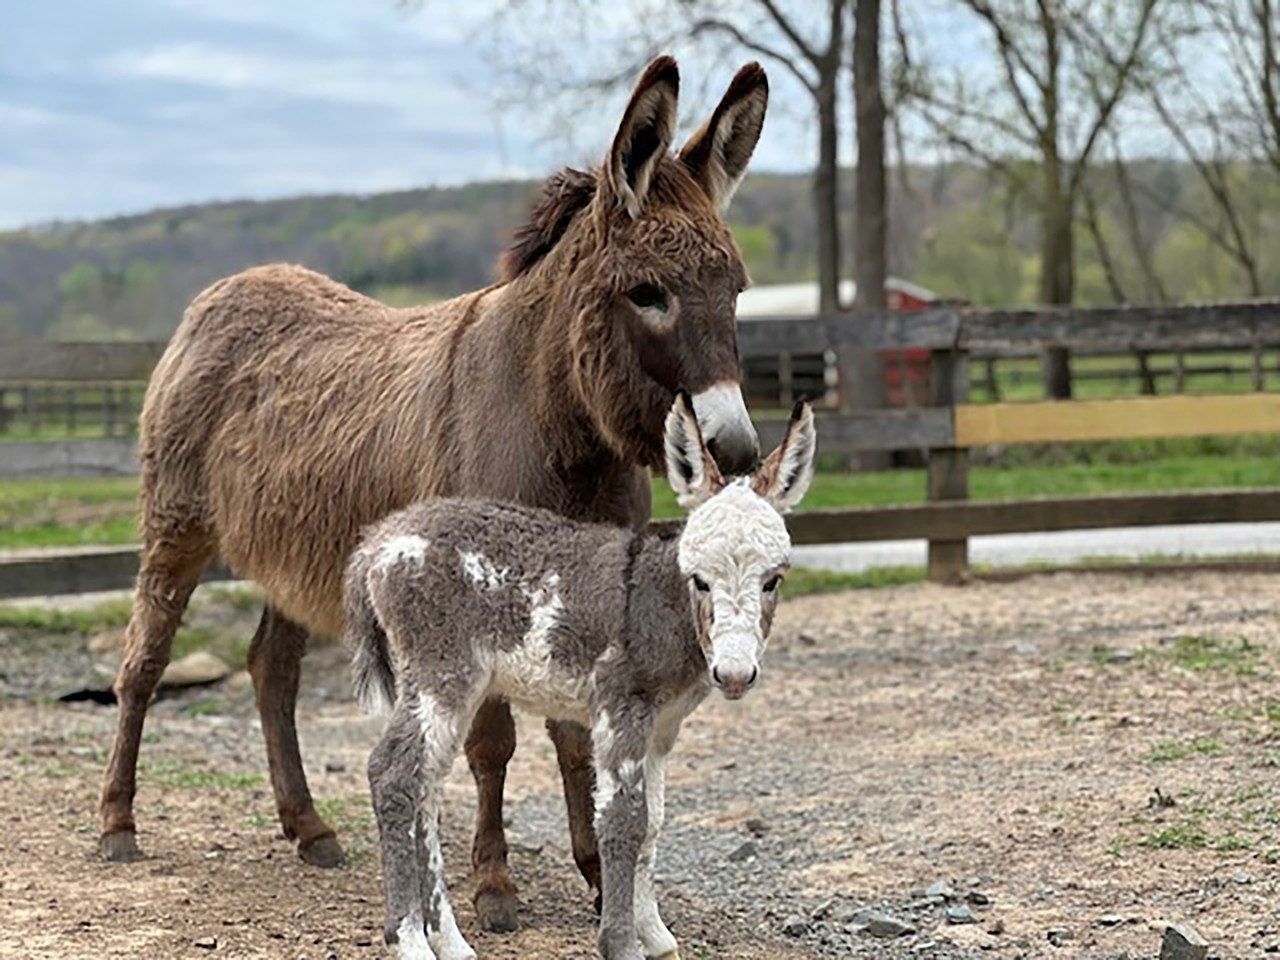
x,y
568,192
563,195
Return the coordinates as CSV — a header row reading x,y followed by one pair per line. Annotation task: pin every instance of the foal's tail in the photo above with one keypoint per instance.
x,y
373,677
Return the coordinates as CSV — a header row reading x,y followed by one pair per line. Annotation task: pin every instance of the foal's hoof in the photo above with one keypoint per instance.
x,y
497,912
323,851
120,847
673,955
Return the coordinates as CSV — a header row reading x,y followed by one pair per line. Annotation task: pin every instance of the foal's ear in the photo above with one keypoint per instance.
x,y
644,136
719,152
692,471
784,477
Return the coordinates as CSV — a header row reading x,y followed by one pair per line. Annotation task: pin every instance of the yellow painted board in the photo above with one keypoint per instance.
x,y
1068,420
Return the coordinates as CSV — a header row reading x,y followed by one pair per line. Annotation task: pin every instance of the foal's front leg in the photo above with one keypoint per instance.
x,y
654,935
620,740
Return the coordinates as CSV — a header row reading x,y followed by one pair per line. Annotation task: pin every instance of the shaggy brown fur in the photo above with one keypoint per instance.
x,y
289,411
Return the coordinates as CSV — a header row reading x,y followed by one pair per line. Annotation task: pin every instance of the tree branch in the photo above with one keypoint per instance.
x,y
709,24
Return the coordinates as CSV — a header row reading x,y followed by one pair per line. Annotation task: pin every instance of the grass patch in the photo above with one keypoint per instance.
x,y
1166,751
1180,836
204,708
108,615
802,581
1214,653
240,598
172,773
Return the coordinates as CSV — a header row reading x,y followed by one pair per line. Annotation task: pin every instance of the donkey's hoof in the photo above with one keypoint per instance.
x,y
120,847
673,955
497,912
323,851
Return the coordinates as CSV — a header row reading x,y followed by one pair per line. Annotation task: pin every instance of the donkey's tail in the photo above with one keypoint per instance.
x,y
373,677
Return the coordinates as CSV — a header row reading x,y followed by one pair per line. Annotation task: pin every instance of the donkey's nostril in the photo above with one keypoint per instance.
x,y
715,675
751,680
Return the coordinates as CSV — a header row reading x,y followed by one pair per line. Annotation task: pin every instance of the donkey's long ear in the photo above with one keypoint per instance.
x,y
644,136
719,152
784,477
692,471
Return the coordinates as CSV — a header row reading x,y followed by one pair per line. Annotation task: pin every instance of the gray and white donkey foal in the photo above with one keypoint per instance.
x,y
452,601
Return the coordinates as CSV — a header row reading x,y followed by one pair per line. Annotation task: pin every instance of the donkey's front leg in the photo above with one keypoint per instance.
x,y
620,741
654,935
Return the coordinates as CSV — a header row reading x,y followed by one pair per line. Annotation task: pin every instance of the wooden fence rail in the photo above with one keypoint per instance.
x,y
947,427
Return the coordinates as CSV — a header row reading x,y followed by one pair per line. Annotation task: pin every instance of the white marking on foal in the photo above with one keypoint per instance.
x,y
406,547
528,673
482,571
412,939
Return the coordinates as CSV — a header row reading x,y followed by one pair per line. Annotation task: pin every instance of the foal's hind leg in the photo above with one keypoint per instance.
x,y
490,744
407,771
275,663
167,576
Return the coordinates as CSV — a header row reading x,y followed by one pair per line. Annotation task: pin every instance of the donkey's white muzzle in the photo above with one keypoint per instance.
x,y
727,428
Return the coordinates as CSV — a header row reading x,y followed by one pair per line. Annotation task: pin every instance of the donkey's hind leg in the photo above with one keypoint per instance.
x,y
573,754
490,744
168,574
275,663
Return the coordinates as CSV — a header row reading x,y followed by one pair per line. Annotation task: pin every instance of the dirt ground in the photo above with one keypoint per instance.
x,y
1082,759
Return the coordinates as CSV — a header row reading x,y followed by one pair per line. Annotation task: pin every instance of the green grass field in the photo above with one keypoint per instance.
x,y
101,511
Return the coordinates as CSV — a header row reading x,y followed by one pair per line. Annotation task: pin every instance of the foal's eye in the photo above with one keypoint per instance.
x,y
772,583
646,295
700,585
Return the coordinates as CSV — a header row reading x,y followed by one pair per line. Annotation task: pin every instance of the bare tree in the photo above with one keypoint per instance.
x,y
862,371
1063,68
536,44
1225,124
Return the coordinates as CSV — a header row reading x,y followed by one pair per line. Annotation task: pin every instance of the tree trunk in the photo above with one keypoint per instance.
x,y
1057,273
1057,258
862,371
871,219
826,197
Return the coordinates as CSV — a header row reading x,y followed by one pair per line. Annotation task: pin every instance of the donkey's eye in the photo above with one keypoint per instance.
x,y
646,295
772,583
700,585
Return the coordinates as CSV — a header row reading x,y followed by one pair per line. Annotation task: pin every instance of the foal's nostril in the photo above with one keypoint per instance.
x,y
751,680
715,675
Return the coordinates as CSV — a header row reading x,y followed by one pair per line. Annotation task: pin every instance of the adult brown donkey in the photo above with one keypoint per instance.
x,y
290,411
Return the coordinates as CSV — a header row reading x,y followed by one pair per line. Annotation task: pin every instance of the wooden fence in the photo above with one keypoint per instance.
x,y
947,428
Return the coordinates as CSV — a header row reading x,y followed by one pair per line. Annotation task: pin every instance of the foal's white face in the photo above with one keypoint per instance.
x,y
734,551
735,548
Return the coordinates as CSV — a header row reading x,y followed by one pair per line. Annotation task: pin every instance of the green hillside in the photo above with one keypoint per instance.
x,y
951,229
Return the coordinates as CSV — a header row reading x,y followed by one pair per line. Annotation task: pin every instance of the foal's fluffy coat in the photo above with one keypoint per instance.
x,y
450,602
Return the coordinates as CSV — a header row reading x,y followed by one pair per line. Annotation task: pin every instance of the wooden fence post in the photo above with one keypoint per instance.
x,y
948,472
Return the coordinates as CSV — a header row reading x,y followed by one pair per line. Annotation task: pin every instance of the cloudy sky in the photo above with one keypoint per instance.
x,y
108,106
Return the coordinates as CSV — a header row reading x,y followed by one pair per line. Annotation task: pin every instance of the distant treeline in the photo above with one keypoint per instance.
x,y
953,228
